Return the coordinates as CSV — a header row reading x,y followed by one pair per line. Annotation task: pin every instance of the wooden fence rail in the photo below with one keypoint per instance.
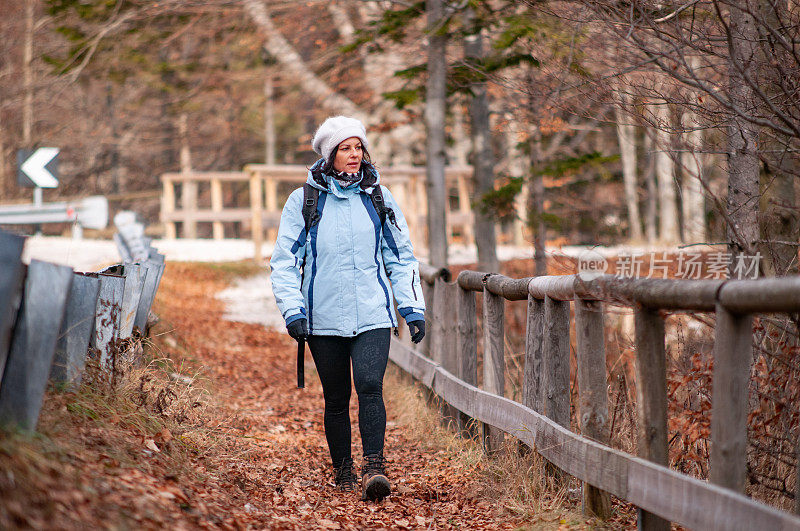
x,y
542,422
267,187
52,318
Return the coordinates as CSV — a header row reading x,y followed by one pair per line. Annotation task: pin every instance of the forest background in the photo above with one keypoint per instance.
x,y
612,122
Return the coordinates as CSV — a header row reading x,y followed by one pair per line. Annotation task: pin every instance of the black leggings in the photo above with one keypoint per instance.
x,y
369,352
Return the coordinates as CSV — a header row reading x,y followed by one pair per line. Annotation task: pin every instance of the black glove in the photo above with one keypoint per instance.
x,y
298,329
417,330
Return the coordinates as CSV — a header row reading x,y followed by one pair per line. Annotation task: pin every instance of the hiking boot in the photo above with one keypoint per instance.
x,y
345,477
374,483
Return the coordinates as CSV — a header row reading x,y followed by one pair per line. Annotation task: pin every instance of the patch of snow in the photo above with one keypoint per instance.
x,y
92,255
250,300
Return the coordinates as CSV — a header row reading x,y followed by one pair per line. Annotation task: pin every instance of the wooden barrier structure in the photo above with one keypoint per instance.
x,y
267,188
543,423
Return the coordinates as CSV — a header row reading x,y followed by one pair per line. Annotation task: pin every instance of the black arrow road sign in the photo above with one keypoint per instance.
x,y
39,168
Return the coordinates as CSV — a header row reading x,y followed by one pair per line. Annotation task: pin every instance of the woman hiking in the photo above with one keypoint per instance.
x,y
343,252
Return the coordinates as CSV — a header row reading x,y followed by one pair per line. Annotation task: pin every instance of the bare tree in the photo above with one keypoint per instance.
x,y
665,177
482,157
294,64
626,132
27,72
743,163
693,201
435,106
736,71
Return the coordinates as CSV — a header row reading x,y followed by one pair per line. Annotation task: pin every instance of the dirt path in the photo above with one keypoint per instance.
x,y
214,434
283,478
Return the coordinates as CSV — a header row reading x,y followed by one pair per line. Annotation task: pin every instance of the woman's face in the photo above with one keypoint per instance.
x,y
348,156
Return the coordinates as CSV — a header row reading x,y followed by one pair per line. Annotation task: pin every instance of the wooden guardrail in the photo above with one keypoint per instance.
x,y
52,318
447,364
266,189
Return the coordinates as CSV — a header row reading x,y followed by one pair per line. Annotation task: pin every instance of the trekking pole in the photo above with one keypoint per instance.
x,y
301,350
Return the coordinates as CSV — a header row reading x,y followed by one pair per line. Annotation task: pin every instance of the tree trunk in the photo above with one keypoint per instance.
x,y
27,74
186,151
779,221
269,118
665,176
626,132
5,175
516,168
294,65
536,205
392,146
651,205
460,142
435,107
693,206
116,166
482,157
743,164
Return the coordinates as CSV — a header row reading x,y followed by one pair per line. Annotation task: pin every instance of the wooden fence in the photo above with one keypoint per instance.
x,y
203,200
52,318
447,363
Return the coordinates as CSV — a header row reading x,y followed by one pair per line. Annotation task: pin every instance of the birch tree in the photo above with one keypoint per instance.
x,y
692,193
665,177
626,133
294,65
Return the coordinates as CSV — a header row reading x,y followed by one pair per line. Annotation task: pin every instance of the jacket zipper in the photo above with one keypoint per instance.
x,y
413,279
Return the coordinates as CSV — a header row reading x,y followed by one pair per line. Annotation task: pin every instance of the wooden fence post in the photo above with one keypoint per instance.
x,y
449,342
450,352
733,357
427,294
256,210
271,188
168,208
465,209
422,208
39,319
592,392
217,229
534,340
467,354
189,205
438,339
651,399
493,360
555,361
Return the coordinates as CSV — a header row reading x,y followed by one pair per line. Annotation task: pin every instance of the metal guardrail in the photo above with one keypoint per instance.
x,y
52,318
447,364
90,213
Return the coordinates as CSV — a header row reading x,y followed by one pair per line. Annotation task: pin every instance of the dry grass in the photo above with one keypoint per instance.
x,y
142,429
514,479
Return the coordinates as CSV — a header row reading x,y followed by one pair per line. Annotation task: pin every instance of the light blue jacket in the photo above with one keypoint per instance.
x,y
339,276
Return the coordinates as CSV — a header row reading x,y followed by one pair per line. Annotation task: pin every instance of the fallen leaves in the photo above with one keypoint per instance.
x,y
258,459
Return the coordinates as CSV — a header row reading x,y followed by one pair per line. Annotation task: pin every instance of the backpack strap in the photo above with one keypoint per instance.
x,y
376,195
310,199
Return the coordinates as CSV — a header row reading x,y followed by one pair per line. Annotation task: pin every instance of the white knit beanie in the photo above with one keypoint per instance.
x,y
334,131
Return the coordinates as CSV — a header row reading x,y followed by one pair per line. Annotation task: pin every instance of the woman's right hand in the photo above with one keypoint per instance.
x,y
298,329
417,330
